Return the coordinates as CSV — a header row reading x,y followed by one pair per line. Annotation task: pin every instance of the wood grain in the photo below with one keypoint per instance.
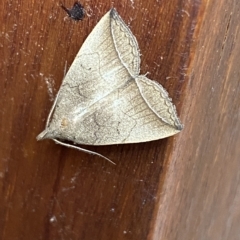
x,y
201,194
183,187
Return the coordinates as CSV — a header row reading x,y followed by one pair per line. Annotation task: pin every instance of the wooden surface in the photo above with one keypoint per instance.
x,y
183,187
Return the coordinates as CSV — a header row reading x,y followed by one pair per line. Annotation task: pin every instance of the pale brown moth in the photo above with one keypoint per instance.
x,y
103,100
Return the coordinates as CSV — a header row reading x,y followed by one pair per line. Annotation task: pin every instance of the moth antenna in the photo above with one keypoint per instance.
x,y
53,106
65,69
55,101
83,150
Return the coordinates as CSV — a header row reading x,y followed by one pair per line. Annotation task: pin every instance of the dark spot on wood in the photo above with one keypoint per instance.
x,y
77,12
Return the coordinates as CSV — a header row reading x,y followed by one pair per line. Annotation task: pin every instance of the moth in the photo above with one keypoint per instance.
x,y
103,100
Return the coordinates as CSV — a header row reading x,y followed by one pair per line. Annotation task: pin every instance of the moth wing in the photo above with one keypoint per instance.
x,y
139,111
125,43
108,58
157,99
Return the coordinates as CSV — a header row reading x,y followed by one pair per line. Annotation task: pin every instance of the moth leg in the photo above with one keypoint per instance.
x,y
82,149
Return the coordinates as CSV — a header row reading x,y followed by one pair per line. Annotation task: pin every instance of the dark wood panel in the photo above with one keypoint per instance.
x,y
201,193
183,187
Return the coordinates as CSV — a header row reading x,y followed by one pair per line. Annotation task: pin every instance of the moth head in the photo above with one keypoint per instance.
x,y
55,129
47,133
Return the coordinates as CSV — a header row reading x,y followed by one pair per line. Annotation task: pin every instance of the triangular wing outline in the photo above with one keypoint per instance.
x,y
73,117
